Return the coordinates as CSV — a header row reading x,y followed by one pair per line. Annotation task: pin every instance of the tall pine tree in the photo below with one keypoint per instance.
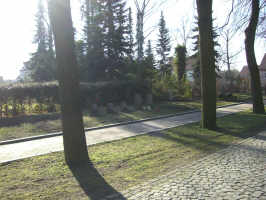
x,y
150,61
180,62
106,29
93,13
196,49
41,36
116,45
41,66
163,47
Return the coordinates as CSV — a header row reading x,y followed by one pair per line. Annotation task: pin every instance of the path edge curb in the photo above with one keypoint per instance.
x,y
49,135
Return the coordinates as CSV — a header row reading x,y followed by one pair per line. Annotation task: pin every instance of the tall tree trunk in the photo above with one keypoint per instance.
x,y
207,64
250,32
75,147
140,36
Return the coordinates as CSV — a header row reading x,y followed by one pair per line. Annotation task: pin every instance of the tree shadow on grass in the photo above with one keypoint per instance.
x,y
206,143
244,134
197,142
92,183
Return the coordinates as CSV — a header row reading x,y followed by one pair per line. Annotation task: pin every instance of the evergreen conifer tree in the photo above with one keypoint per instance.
x,y
149,56
41,36
41,66
106,28
93,65
163,46
196,49
180,62
116,45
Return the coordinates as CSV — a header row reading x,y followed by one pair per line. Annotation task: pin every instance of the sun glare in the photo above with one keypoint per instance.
x,y
17,26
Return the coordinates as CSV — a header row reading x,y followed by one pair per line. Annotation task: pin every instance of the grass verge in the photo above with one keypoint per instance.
x,y
27,126
118,165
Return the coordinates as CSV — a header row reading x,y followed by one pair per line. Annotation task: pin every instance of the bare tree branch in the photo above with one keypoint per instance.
x,y
228,16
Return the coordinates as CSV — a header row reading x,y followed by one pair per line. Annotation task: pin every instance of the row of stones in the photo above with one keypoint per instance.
x,y
138,103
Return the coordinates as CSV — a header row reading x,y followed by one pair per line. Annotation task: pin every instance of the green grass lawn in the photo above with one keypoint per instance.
x,y
117,165
26,126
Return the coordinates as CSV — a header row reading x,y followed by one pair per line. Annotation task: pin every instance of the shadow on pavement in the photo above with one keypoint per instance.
x,y
92,183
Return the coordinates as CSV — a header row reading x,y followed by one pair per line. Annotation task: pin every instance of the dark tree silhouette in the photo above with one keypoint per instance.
x,y
181,61
207,64
250,32
73,131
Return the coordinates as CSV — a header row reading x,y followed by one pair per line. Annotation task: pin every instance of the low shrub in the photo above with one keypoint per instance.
x,y
44,97
170,88
228,97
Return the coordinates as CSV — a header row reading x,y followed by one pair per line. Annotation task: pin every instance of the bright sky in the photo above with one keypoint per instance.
x,y
17,20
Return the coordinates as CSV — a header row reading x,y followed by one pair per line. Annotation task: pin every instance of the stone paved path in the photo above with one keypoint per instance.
x,y
21,150
238,172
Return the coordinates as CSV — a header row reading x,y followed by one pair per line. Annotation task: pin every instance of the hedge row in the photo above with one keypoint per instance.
x,y
16,96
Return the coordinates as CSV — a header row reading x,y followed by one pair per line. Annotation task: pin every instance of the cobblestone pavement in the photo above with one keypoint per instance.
x,y
238,172
43,146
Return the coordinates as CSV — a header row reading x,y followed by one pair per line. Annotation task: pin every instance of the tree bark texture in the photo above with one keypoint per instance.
x,y
207,64
75,147
250,33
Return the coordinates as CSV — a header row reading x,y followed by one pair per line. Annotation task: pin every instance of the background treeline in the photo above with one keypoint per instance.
x,y
113,64
105,50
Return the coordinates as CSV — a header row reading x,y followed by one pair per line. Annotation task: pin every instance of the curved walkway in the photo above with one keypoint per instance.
x,y
43,146
238,172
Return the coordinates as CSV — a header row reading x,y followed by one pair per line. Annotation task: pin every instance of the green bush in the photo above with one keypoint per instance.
x,y
170,88
43,97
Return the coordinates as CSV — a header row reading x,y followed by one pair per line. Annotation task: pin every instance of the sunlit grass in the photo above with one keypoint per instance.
x,y
124,163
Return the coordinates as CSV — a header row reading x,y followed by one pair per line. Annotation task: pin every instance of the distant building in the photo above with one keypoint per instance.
x,y
244,74
190,62
263,71
1,79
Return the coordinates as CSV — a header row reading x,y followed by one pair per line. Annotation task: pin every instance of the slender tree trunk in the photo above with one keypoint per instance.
x,y
73,131
207,64
227,55
140,36
250,32
228,64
